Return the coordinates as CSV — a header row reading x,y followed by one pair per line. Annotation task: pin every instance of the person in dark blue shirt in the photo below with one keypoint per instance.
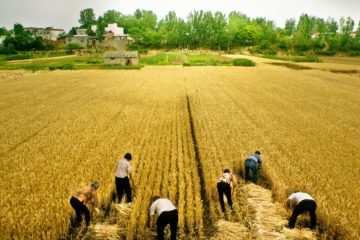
x,y
253,162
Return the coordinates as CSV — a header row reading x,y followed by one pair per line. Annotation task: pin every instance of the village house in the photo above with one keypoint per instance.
x,y
48,33
115,37
80,38
353,34
124,58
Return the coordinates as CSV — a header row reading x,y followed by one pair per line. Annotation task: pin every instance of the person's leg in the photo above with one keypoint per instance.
x,y
86,211
300,208
127,189
76,204
221,195
247,169
119,188
174,217
312,210
255,173
227,191
160,226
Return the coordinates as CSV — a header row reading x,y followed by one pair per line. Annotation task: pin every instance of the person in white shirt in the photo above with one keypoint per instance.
x,y
225,185
166,213
122,181
302,202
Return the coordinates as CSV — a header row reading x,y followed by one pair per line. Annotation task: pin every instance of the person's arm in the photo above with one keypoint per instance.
x,y
129,169
287,203
234,180
152,222
259,162
94,198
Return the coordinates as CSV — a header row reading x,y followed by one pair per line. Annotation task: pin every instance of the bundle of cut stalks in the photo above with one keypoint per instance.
x,y
230,231
105,231
114,226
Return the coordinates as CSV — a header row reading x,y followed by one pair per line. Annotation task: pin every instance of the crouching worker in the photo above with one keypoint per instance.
x,y
79,200
226,185
166,213
302,202
253,162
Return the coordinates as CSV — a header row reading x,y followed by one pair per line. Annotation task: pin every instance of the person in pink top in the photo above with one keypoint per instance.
x,y
225,185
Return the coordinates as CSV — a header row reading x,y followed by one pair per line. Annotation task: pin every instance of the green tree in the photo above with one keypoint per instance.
x,y
346,27
305,26
111,16
3,31
87,18
290,26
237,22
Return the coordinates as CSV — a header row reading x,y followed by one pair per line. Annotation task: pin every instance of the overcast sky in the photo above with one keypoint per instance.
x,y
65,13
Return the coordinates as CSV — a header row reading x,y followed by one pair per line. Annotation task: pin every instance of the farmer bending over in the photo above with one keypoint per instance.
x,y
303,202
253,162
79,200
226,185
166,214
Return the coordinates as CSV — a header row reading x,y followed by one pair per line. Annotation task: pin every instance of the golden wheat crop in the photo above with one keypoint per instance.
x,y
61,130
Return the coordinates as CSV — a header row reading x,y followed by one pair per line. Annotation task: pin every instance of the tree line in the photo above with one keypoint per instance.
x,y
217,31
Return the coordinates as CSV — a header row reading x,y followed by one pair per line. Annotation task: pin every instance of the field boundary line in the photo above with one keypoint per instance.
x,y
207,221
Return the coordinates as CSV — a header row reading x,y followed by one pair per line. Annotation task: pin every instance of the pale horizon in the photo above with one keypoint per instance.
x,y
65,14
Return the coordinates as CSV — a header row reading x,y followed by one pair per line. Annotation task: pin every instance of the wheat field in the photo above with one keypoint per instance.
x,y
183,125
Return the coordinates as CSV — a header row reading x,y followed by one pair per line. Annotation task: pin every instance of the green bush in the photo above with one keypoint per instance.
x,y
70,48
18,57
243,62
326,53
354,53
305,59
66,66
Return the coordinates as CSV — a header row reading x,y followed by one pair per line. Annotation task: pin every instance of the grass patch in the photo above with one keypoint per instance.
x,y
15,57
243,62
205,60
107,66
293,58
162,59
79,63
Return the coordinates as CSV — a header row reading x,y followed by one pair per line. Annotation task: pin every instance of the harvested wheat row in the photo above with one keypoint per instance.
x,y
270,217
230,231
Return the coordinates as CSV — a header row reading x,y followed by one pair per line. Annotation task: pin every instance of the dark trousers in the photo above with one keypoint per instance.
x,y
304,206
123,184
251,165
165,218
224,188
80,209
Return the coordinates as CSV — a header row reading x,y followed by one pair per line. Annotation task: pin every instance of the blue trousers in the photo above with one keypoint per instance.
x,y
251,165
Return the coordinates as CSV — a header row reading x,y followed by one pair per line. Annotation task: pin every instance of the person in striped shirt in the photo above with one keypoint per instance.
x,y
253,162
225,185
